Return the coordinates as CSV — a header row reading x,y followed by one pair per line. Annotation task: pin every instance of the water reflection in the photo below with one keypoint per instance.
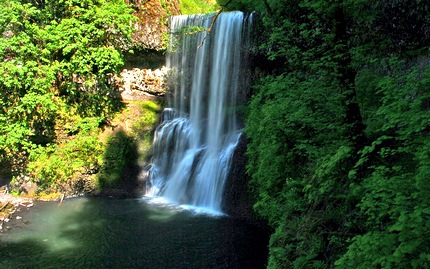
x,y
132,233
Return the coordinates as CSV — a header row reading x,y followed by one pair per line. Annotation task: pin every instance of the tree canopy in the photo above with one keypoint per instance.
x,y
56,56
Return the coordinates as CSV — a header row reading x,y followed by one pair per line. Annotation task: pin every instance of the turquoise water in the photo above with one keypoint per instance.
x,y
128,233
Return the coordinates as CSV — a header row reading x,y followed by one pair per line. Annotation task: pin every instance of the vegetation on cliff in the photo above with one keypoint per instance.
x,y
62,120
58,97
198,6
339,128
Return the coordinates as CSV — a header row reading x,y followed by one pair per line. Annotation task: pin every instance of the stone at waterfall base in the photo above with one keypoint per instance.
x,y
9,206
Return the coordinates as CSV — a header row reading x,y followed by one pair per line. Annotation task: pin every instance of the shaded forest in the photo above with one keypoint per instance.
x,y
339,126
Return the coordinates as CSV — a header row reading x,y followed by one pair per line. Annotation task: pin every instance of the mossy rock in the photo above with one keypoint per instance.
x,y
6,210
4,216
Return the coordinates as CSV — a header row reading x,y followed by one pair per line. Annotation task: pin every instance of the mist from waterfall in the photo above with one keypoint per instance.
x,y
194,144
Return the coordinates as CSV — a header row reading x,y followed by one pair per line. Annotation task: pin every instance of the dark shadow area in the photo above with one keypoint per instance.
x,y
5,171
237,198
25,252
119,173
149,59
128,233
103,98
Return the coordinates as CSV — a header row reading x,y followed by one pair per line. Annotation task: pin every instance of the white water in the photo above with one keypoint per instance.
x,y
194,144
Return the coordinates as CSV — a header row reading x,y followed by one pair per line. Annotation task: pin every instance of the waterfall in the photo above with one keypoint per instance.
x,y
194,144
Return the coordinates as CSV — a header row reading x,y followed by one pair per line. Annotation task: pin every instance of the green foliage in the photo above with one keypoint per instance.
x,y
394,199
339,130
120,152
55,56
26,103
144,115
198,6
298,155
53,166
128,145
85,152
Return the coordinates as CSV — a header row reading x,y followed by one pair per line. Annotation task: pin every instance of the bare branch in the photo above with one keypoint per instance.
x,y
212,23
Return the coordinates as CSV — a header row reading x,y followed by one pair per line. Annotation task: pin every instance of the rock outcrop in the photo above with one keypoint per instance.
x,y
151,28
10,205
140,84
237,199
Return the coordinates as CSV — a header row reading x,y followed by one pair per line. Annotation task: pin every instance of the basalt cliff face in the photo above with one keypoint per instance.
x,y
151,28
143,76
142,84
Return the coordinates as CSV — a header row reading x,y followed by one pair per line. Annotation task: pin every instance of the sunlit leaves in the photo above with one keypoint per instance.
x,y
198,6
51,50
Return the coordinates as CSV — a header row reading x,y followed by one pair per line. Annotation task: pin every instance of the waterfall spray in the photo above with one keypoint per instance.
x,y
194,144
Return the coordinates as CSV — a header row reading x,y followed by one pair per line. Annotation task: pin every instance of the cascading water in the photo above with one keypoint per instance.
x,y
195,142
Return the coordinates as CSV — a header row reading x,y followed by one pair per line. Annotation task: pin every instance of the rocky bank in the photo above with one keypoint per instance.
x,y
10,206
141,84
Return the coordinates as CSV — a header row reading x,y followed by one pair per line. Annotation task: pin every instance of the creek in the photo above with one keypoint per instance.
x,y
128,233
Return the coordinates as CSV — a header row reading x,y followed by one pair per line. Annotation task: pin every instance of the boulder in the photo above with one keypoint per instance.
x,y
137,84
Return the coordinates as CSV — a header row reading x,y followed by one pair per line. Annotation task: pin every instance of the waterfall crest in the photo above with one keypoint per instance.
x,y
195,141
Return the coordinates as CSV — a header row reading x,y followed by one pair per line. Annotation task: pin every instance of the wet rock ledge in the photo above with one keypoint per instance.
x,y
10,206
141,84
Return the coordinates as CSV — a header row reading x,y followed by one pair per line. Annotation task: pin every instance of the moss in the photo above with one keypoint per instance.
x,y
94,152
49,196
128,145
198,6
120,150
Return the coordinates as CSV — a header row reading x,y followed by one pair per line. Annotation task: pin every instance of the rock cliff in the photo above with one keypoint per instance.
x,y
151,28
237,199
140,84
143,76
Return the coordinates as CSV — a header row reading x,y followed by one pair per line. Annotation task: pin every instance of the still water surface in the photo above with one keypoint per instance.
x,y
128,233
